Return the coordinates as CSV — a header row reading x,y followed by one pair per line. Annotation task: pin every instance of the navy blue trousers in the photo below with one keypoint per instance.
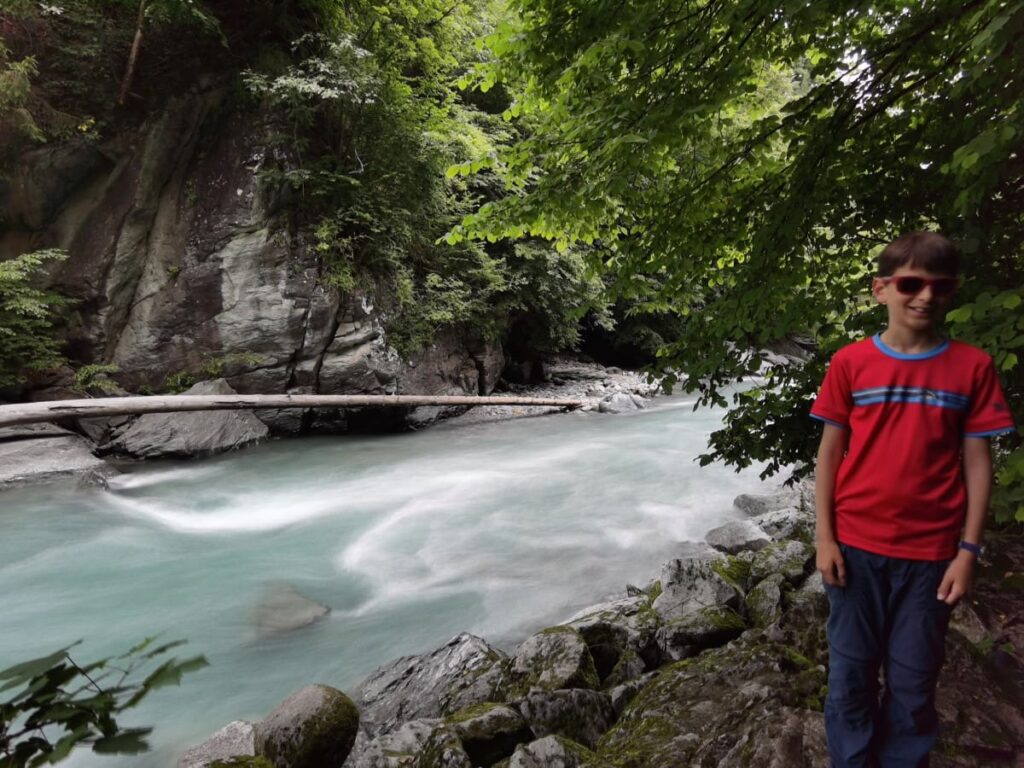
x,y
886,617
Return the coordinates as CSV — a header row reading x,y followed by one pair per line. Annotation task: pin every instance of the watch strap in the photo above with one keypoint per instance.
x,y
975,549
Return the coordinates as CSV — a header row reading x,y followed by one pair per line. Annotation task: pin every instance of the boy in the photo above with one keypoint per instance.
x,y
903,480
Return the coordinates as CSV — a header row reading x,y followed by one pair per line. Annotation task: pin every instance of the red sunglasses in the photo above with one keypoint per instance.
x,y
911,285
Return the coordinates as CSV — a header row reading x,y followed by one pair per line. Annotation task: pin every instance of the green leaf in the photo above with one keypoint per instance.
x,y
130,741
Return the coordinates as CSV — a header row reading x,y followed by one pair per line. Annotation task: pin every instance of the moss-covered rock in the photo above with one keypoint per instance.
x,y
617,630
557,657
248,761
313,727
490,732
235,740
705,628
577,714
764,601
551,752
691,584
735,570
737,536
792,559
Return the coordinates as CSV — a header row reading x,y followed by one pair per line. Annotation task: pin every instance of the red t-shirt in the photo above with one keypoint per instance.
x,y
899,490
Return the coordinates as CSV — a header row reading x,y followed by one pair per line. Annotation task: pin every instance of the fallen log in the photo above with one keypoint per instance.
x,y
30,413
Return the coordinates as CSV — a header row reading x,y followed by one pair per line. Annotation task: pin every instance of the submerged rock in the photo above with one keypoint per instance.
x,y
621,402
283,609
155,435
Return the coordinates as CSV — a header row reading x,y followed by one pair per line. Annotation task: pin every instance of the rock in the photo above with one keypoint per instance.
x,y
621,695
312,728
697,630
764,601
738,536
616,629
691,584
621,402
557,657
754,504
58,454
424,743
465,671
792,559
282,609
787,523
810,594
242,762
233,740
631,666
550,752
490,732
576,714
155,435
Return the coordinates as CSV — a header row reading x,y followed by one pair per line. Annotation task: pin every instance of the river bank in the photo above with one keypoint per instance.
x,y
719,662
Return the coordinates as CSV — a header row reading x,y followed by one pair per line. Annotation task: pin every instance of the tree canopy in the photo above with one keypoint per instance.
x,y
739,163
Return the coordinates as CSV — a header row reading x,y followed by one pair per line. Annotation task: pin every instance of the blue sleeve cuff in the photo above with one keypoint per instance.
x,y
830,421
990,433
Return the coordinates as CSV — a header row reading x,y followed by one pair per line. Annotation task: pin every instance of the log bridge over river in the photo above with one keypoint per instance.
x,y
31,413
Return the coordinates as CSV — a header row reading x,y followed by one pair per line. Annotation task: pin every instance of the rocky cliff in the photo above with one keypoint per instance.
x,y
185,265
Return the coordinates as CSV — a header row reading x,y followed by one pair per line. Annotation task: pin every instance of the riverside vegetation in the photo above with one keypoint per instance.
x,y
423,196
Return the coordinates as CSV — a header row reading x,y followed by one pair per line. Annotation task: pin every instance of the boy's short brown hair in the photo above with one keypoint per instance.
x,y
923,250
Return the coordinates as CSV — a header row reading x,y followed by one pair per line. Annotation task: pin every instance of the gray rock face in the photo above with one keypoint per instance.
x,y
787,523
764,601
234,739
554,658
464,671
792,559
47,453
580,715
314,727
691,584
618,628
491,732
282,609
759,504
550,752
621,402
156,435
738,536
697,630
425,743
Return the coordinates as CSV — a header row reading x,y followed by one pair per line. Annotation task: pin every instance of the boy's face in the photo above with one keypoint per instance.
x,y
918,312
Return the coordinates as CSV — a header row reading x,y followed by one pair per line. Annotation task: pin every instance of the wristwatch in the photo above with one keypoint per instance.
x,y
975,549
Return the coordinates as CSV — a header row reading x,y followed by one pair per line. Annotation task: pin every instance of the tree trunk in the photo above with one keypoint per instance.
x,y
129,74
30,413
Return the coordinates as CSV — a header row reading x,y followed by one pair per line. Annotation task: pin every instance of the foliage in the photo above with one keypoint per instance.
x,y
27,315
96,376
739,163
53,697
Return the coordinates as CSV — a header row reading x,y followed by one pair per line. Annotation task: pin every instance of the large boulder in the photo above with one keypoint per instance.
x,y
551,752
691,584
34,453
237,739
695,631
490,732
556,657
621,402
425,743
576,714
792,559
314,727
620,635
764,601
738,536
156,435
464,671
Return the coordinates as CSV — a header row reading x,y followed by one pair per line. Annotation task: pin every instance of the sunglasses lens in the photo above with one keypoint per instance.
x,y
909,285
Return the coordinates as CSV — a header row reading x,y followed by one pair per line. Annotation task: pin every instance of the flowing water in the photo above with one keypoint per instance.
x,y
497,529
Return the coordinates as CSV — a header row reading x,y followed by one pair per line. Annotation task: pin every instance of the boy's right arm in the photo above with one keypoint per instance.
x,y
830,454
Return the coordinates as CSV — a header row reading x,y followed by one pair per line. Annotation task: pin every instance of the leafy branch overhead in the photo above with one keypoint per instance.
x,y
51,705
739,163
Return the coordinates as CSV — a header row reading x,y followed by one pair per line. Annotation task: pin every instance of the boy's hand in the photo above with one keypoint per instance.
x,y
958,578
830,564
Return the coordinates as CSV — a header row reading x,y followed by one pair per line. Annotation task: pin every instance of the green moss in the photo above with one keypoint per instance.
x,y
332,730
473,711
734,570
656,590
243,761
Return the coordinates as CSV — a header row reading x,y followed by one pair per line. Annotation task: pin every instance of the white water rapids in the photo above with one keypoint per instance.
x,y
497,529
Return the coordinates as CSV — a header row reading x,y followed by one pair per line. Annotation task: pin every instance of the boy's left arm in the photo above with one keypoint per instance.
x,y
977,460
